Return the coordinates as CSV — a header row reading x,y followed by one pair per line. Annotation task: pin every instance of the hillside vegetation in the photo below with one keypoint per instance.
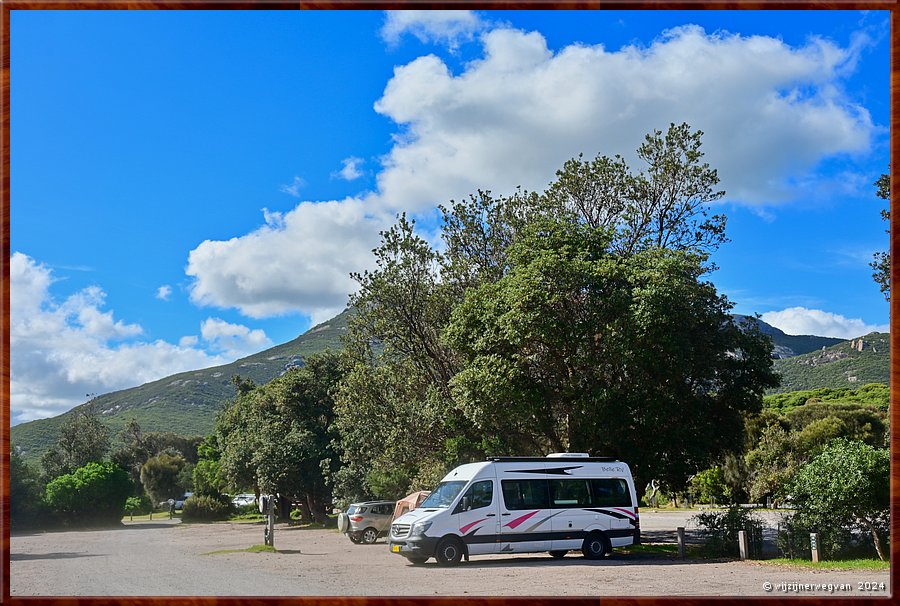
x,y
186,403
848,364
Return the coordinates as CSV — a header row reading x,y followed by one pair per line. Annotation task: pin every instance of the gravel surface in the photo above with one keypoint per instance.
x,y
164,558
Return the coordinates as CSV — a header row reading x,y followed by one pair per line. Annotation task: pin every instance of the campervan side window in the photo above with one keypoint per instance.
x,y
525,494
610,492
570,493
480,494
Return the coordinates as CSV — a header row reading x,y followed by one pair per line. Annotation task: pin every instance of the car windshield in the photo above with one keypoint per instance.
x,y
444,495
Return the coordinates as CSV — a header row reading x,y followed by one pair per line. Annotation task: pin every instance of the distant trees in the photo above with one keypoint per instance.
x,y
278,437
165,476
82,439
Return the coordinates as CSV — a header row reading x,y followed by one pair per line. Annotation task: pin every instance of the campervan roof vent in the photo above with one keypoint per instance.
x,y
567,455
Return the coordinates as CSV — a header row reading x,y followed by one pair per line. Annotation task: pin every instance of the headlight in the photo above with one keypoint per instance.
x,y
419,528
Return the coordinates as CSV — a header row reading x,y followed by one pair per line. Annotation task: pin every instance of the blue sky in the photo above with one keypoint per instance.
x,y
189,187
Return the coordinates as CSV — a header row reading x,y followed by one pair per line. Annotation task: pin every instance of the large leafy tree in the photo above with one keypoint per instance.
x,y
164,476
579,348
277,437
602,305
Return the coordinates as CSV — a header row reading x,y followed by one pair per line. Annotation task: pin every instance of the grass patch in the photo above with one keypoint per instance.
x,y
858,564
253,549
649,549
247,517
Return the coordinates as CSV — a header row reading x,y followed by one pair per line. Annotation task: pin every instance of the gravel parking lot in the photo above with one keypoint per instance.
x,y
172,559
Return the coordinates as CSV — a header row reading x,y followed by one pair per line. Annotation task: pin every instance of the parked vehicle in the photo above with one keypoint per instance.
x,y
179,502
366,522
564,502
242,500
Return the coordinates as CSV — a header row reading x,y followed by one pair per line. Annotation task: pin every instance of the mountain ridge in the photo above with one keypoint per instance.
x,y
188,402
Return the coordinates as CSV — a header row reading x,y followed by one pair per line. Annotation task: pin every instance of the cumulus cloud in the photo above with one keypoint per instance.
x,y
804,321
350,169
302,262
61,351
164,292
443,27
294,188
770,112
233,340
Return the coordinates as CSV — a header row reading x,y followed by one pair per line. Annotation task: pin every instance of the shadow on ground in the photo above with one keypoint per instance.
x,y
14,557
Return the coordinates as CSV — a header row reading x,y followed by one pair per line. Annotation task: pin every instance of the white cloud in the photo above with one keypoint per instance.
x,y
770,112
61,351
233,340
435,26
300,263
350,169
294,188
803,321
164,292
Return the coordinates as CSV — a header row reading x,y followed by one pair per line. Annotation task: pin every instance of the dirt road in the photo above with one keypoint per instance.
x,y
168,558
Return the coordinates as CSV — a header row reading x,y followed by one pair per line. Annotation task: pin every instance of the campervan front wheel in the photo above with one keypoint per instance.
x,y
449,552
595,546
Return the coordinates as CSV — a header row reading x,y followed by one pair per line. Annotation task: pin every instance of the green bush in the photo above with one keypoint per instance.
x,y
93,494
720,529
844,495
206,508
26,504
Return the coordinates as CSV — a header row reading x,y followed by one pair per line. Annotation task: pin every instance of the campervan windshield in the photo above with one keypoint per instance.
x,y
442,496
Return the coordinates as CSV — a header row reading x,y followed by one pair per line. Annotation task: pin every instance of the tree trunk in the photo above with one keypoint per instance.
x,y
305,511
875,538
318,510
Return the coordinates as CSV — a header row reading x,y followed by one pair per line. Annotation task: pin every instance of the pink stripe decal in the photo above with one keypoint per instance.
x,y
468,526
518,521
625,511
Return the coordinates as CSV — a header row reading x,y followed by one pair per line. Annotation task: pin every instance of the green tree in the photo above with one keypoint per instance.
x,y
25,492
278,436
881,263
207,474
845,489
580,348
408,360
82,439
163,476
94,493
709,486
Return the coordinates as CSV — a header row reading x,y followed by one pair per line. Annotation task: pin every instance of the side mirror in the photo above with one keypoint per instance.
x,y
466,503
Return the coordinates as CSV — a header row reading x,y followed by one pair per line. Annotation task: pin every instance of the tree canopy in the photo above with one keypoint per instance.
x,y
576,318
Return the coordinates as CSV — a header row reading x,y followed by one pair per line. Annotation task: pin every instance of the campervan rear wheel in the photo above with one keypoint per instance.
x,y
595,546
449,552
558,554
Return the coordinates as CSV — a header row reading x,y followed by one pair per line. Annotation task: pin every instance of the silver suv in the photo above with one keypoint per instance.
x,y
365,522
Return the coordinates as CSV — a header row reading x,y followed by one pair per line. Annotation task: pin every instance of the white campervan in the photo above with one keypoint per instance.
x,y
564,502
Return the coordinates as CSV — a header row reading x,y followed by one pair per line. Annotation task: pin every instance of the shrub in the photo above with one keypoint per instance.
x,y
844,493
93,494
26,503
206,508
709,486
720,528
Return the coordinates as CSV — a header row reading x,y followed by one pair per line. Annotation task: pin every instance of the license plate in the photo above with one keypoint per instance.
x,y
395,548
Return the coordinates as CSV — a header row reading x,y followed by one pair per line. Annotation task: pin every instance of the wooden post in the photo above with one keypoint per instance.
x,y
814,545
742,544
681,549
